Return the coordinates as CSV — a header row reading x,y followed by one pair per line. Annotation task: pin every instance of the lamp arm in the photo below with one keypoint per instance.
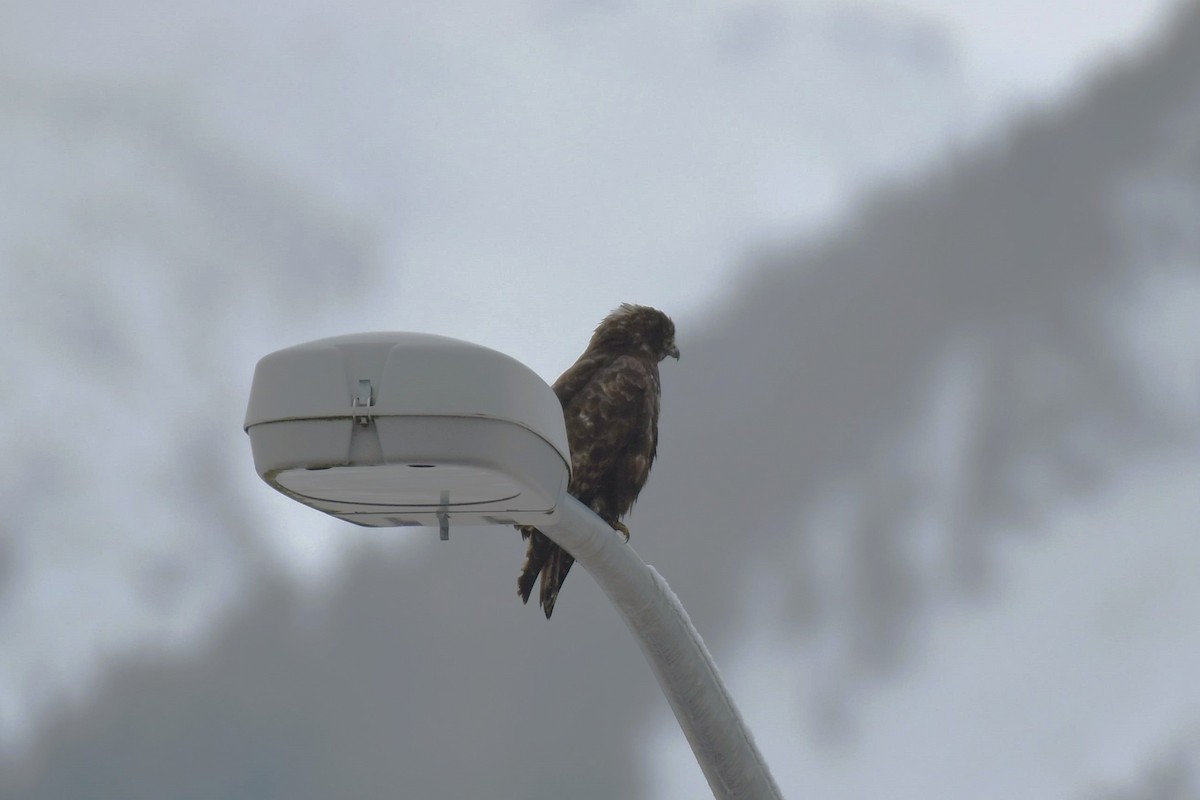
x,y
685,669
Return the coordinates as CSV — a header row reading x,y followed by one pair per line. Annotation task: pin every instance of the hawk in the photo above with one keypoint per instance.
x,y
610,399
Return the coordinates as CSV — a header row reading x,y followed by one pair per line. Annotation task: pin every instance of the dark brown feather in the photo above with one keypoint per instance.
x,y
610,399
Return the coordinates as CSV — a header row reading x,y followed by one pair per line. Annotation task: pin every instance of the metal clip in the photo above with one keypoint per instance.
x,y
443,517
365,399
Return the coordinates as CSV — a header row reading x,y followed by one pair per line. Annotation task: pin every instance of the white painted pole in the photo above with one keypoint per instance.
x,y
685,670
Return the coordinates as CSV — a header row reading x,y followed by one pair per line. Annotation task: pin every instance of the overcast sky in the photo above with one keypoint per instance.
x,y
517,173
1028,46
489,145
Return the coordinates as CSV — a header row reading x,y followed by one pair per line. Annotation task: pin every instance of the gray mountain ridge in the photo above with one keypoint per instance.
x,y
423,676
131,242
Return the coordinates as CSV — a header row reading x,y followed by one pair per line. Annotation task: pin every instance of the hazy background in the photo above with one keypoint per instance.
x,y
928,477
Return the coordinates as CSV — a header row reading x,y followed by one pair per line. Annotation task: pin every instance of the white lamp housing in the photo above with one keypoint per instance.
x,y
385,429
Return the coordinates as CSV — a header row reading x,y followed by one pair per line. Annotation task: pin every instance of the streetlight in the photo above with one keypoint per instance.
x,y
388,429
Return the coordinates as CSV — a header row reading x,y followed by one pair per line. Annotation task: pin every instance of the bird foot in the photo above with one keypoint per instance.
x,y
620,528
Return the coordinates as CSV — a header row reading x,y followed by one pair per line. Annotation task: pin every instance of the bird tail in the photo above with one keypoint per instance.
x,y
543,557
536,554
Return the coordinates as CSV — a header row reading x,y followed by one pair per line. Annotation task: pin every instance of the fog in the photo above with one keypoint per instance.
x,y
927,466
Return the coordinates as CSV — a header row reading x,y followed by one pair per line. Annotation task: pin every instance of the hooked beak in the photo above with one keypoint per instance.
x,y
674,352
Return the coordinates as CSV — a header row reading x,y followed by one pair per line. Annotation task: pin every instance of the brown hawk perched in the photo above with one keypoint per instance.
x,y
610,400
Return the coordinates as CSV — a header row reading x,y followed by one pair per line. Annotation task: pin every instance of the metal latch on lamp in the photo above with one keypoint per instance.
x,y
364,399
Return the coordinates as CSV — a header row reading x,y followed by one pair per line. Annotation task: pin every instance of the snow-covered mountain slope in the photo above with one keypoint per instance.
x,y
981,449
177,204
850,441
139,259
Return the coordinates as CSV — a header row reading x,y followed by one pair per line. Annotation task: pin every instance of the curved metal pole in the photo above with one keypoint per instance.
x,y
684,668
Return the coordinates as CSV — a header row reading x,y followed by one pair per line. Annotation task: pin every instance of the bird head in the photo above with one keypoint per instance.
x,y
642,329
